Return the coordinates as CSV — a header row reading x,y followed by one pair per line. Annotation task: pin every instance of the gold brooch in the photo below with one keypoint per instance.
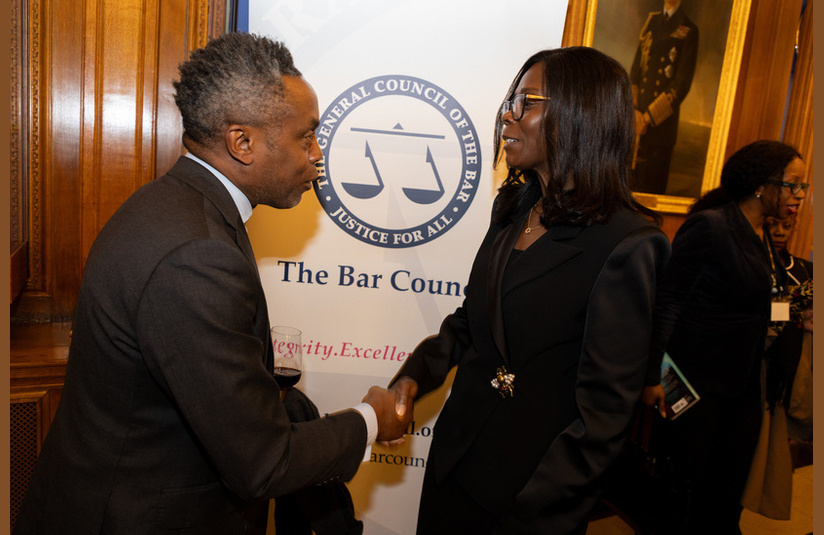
x,y
503,382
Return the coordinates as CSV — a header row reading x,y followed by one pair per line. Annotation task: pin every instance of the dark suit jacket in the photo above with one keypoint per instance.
x,y
170,420
713,304
571,318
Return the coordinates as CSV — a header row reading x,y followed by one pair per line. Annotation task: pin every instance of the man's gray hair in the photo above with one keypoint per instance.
x,y
232,80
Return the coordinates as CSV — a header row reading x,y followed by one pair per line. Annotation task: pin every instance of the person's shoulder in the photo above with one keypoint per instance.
x,y
715,214
625,223
806,263
164,195
704,223
631,219
166,210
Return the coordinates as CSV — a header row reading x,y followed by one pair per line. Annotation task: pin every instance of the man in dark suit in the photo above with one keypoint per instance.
x,y
170,419
661,76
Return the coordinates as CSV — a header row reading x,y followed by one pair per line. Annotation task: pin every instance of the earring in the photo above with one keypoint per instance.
x,y
757,194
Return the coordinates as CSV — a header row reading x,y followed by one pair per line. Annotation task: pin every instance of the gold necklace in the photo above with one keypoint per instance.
x,y
528,228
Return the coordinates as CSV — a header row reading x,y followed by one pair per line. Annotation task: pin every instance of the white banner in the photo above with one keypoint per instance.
x,y
371,262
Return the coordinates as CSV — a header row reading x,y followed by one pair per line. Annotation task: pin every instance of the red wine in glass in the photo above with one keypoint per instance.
x,y
286,377
286,343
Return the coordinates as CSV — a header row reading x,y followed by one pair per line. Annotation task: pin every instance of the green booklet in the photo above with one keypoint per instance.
x,y
678,392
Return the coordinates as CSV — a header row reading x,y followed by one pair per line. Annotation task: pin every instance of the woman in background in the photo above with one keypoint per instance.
x,y
711,316
790,354
798,269
552,340
788,405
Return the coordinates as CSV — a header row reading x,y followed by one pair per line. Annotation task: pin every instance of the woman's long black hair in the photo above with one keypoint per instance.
x,y
589,130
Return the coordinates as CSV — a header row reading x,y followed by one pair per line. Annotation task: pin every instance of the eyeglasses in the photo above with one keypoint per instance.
x,y
795,187
516,105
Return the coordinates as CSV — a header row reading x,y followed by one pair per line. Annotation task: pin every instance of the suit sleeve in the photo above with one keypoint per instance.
x,y
436,355
566,483
196,329
691,252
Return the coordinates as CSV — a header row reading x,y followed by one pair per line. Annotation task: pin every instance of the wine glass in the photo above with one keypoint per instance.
x,y
288,356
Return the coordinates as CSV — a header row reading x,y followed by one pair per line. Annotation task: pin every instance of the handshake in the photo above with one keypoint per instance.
x,y
393,407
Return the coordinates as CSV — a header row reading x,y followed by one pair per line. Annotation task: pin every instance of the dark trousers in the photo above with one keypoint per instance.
x,y
447,509
712,445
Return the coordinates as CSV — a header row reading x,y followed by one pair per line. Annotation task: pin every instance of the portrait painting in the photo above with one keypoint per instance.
x,y
683,59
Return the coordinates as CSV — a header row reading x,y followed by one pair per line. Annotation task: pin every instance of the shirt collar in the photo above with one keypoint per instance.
x,y
241,201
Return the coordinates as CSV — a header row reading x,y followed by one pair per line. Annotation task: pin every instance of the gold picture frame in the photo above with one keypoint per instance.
x,y
718,55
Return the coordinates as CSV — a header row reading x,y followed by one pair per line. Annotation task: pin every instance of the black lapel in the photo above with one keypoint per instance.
x,y
756,252
499,256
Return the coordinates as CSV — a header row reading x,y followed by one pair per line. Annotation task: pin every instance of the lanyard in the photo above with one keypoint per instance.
x,y
789,268
776,290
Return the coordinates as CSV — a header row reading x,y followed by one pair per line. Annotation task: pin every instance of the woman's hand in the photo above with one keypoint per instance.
x,y
653,396
406,390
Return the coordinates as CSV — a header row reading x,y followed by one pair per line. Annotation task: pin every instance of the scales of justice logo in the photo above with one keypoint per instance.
x,y
401,161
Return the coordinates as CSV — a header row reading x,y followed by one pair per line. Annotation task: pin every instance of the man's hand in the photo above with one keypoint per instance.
x,y
653,396
393,414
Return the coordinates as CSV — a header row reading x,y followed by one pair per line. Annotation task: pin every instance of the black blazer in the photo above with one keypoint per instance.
x,y
571,318
713,305
170,417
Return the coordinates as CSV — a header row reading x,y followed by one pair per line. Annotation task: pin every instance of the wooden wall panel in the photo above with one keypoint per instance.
x,y
30,129
28,172
174,41
100,122
764,78
115,131
774,29
18,207
798,131
61,125
17,141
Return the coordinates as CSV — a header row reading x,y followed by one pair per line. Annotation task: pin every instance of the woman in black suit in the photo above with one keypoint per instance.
x,y
711,316
552,340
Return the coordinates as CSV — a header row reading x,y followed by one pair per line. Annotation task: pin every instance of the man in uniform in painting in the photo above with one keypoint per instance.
x,y
661,76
